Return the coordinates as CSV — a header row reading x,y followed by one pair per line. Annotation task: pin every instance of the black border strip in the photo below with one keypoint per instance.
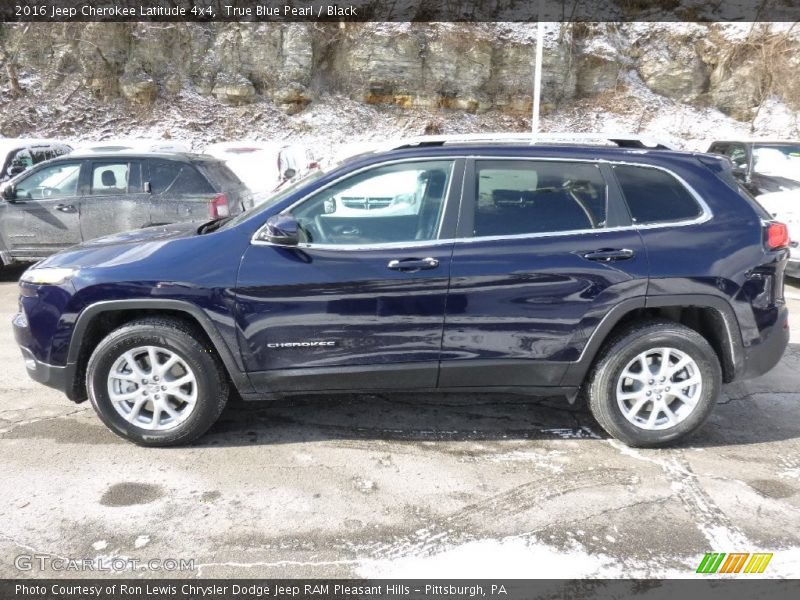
x,y
474,11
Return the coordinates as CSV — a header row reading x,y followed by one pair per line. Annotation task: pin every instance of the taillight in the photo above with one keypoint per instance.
x,y
777,235
218,207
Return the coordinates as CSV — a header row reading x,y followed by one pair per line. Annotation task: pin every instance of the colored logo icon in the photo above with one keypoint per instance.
x,y
735,562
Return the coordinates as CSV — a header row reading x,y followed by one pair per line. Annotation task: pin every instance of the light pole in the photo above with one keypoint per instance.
x,y
537,72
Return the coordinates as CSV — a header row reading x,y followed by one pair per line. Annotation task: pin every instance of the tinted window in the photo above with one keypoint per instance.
x,y
220,174
394,203
654,196
517,197
172,177
54,181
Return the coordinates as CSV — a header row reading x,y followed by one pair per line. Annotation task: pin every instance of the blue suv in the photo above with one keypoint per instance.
x,y
637,279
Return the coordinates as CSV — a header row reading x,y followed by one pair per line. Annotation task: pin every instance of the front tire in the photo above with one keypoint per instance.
x,y
654,383
157,382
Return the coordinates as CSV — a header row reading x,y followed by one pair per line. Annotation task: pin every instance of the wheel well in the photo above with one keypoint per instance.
x,y
707,321
106,322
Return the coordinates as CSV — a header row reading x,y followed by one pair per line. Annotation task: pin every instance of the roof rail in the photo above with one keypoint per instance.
x,y
622,140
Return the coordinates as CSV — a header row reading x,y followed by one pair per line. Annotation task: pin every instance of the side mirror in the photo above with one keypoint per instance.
x,y
282,230
8,191
289,173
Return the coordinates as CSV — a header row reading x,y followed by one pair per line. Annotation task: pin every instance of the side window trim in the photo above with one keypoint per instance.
x,y
617,213
465,223
448,221
705,211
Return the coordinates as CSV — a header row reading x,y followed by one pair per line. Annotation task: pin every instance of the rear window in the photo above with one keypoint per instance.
x,y
220,175
655,196
173,177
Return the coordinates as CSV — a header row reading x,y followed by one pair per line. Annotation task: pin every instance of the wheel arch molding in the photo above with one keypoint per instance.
x,y
77,348
722,332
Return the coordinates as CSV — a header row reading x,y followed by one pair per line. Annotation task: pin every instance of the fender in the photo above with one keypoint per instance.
x,y
87,315
732,352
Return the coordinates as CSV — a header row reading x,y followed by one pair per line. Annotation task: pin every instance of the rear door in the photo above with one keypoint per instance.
x,y
548,250
114,198
44,217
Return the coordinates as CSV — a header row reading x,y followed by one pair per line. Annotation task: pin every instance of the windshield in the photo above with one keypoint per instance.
x,y
276,197
777,159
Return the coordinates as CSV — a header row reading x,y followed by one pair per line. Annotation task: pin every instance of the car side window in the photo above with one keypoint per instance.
x,y
737,154
173,177
515,197
655,196
401,202
54,181
116,178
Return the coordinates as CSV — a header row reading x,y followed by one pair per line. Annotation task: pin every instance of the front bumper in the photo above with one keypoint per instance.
x,y
53,376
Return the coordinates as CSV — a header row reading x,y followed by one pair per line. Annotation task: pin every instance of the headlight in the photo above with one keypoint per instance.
x,y
48,275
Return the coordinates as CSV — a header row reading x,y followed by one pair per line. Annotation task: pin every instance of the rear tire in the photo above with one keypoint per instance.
x,y
654,383
157,382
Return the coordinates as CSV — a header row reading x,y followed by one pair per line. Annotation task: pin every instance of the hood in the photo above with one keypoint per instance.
x,y
767,184
122,248
148,234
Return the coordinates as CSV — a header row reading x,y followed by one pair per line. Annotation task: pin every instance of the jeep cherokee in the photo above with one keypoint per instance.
x,y
638,279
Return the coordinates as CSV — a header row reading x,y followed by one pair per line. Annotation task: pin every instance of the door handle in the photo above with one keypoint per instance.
x,y
67,208
609,254
413,264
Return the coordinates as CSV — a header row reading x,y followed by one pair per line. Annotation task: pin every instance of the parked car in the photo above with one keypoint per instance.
x,y
785,206
79,197
18,154
133,145
640,280
763,166
263,166
770,171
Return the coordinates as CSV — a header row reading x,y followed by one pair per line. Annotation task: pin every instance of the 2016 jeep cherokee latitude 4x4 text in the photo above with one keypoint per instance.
x,y
638,279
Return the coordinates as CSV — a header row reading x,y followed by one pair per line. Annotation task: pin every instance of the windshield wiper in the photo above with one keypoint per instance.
x,y
212,225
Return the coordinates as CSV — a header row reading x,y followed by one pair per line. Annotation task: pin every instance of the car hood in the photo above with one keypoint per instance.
x,y
121,248
768,183
158,232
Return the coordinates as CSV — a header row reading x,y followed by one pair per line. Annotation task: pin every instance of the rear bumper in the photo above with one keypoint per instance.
x,y
763,356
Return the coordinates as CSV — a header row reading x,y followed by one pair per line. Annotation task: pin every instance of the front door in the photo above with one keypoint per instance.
x,y
360,304
115,200
44,216
545,256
